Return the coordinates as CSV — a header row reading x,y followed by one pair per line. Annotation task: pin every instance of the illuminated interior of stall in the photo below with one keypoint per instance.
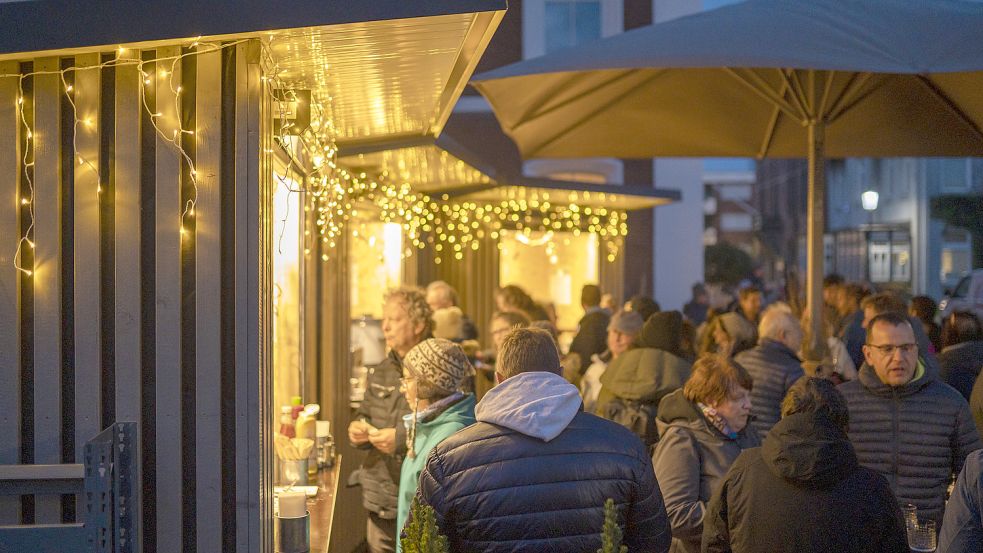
x,y
552,267
376,265
287,288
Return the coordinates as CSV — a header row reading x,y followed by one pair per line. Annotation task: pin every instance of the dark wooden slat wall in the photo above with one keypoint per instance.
x,y
10,305
97,257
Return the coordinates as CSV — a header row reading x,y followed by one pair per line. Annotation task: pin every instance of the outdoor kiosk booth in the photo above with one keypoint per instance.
x,y
138,158
198,203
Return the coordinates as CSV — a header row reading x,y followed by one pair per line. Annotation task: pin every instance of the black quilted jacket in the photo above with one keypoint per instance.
x,y
497,490
916,435
774,368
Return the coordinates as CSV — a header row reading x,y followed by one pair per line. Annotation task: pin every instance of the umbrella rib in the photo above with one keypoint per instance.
x,y
846,101
941,95
772,125
534,110
826,90
593,114
761,88
798,91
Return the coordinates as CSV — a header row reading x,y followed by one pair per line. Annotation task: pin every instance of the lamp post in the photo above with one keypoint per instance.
x,y
869,202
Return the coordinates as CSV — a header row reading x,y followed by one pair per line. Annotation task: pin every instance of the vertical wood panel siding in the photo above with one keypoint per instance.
x,y
47,278
88,270
168,316
123,320
189,338
208,296
25,182
145,310
10,416
67,162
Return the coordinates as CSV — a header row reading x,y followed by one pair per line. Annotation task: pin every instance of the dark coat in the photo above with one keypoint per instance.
x,y
692,456
916,435
495,489
976,404
959,365
591,338
962,529
803,492
383,407
774,368
854,335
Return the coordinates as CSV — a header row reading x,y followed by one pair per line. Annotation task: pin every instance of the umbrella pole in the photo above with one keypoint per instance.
x,y
814,345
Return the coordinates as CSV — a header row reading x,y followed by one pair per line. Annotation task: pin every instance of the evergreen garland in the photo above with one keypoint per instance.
x,y
611,532
422,534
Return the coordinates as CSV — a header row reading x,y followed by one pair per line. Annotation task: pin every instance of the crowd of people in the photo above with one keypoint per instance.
x,y
705,426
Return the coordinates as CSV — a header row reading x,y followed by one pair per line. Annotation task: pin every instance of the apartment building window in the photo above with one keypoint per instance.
x,y
956,175
549,25
571,23
956,257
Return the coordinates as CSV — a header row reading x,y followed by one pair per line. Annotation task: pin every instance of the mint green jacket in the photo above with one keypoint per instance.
x,y
428,435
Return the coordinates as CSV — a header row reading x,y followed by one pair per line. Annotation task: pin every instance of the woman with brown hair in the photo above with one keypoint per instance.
x,y
702,429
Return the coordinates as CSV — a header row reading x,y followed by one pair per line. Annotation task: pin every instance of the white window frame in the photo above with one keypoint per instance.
x,y
534,23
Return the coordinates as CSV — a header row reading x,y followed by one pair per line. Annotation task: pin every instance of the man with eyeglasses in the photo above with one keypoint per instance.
x,y
905,423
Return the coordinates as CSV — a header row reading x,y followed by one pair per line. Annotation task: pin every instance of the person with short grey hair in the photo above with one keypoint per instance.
x,y
774,365
534,472
378,425
803,490
441,295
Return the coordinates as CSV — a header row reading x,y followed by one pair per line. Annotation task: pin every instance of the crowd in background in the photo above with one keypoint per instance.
x,y
678,416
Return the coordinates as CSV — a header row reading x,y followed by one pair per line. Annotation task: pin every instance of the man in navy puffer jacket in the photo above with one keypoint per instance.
x,y
535,470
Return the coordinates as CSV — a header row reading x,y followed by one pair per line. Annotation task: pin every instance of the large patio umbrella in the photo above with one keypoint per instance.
x,y
764,78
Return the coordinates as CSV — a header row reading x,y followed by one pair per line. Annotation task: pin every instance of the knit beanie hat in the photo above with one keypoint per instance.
x,y
662,330
626,322
439,362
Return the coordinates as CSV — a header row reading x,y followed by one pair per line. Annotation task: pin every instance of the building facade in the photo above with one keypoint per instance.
x,y
664,252
899,244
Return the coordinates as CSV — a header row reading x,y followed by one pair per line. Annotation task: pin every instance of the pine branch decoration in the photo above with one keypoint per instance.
x,y
422,534
611,532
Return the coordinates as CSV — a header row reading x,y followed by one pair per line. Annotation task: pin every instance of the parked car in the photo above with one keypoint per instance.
x,y
966,296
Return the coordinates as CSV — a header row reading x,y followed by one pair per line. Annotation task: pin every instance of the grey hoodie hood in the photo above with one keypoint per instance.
x,y
538,404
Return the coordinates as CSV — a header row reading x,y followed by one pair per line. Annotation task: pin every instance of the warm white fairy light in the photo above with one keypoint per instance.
x,y
332,193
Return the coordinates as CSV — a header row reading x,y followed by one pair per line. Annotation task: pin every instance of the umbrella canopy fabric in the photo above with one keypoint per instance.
x,y
765,78
887,78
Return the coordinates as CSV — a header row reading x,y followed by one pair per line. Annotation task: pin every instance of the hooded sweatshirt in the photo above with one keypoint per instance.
x,y
534,472
803,491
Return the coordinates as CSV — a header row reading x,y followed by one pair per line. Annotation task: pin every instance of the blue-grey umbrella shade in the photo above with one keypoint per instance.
x,y
888,78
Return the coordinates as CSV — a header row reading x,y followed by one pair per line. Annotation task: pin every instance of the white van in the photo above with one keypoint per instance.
x,y
966,296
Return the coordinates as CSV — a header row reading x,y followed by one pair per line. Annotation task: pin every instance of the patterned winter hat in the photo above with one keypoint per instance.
x,y
440,362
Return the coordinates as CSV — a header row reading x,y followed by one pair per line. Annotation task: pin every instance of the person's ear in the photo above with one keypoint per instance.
x,y
868,355
499,378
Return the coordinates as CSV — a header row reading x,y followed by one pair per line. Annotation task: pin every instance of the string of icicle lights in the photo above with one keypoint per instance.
x,y
336,196
333,194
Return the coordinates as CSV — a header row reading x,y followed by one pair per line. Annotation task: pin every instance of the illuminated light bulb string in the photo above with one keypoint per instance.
x,y
333,194
88,121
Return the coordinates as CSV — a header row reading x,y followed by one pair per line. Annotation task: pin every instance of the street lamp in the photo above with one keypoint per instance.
x,y
869,201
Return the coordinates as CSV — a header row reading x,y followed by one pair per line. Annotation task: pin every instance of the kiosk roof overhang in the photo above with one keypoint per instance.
x,y
381,69
444,167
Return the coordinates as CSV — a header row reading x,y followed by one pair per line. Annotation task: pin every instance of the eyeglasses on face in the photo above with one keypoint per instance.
x,y
889,349
404,382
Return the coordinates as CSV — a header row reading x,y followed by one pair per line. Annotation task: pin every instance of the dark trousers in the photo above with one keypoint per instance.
x,y
380,533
